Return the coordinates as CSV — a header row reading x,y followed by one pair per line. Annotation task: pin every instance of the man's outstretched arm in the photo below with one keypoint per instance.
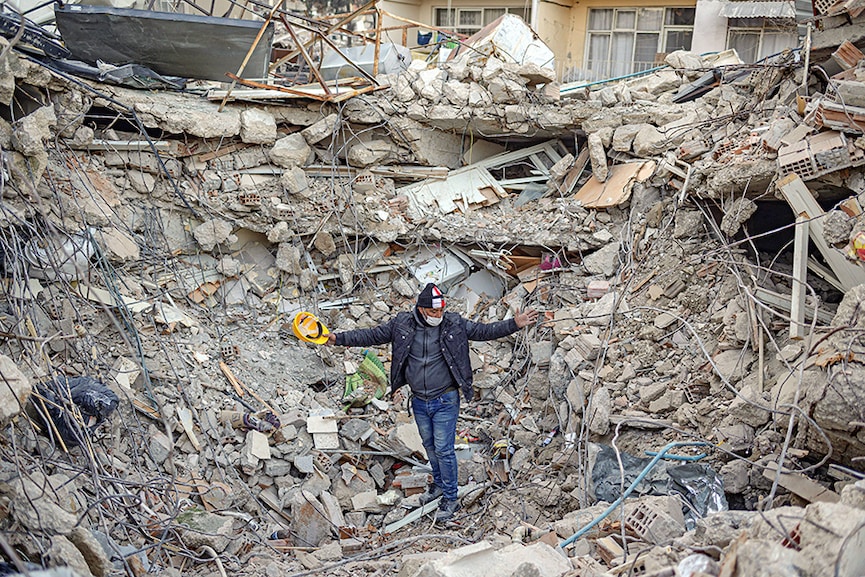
x,y
497,330
379,335
526,318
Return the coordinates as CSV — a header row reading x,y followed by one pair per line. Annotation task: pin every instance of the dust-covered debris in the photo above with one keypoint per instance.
x,y
659,244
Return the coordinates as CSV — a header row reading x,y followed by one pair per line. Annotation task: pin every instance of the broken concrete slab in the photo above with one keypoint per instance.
x,y
290,151
15,391
30,133
94,554
310,524
213,232
514,560
63,553
257,445
604,261
35,505
200,528
257,127
324,128
118,246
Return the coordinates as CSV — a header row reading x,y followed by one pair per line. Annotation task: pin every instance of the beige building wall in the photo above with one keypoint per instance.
x,y
408,9
579,17
555,28
560,24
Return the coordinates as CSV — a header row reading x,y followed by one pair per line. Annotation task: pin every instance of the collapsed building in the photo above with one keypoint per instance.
x,y
692,236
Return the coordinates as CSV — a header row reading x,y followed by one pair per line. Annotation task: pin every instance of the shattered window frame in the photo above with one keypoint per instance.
x,y
762,28
488,14
604,32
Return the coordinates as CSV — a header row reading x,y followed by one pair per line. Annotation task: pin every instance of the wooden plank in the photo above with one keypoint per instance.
x,y
799,280
576,170
271,499
185,417
240,386
264,91
249,53
235,147
824,273
783,302
143,405
803,203
226,370
801,485
312,66
335,26
617,188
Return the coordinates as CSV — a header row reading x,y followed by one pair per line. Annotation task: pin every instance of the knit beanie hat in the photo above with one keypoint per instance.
x,y
431,297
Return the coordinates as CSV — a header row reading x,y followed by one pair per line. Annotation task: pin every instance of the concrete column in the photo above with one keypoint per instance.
x,y
710,28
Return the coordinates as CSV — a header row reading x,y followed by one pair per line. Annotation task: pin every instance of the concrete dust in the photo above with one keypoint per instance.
x,y
172,270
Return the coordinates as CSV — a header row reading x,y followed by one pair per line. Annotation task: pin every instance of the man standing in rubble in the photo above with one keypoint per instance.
x,y
431,353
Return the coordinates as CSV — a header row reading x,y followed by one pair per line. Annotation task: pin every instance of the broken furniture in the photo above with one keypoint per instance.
x,y
484,183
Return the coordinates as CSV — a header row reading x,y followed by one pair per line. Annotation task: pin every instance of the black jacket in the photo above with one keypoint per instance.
x,y
456,332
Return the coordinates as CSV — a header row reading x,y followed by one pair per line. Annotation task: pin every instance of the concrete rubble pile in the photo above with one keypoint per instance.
x,y
162,249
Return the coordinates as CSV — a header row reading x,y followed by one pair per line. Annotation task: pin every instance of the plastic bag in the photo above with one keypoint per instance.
x,y
697,563
91,398
699,485
607,478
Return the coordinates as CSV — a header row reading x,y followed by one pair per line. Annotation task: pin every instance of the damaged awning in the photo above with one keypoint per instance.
x,y
758,10
185,45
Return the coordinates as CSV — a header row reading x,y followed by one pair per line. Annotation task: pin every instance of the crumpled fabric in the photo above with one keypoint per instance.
x,y
367,383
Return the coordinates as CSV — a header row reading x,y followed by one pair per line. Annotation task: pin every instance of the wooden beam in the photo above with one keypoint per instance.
x,y
243,64
805,205
801,485
312,67
184,415
449,33
229,374
782,302
377,52
799,280
348,18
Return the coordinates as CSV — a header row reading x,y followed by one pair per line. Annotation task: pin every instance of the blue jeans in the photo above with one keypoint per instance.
x,y
437,424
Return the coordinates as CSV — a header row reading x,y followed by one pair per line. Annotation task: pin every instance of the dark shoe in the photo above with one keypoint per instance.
x,y
432,493
447,508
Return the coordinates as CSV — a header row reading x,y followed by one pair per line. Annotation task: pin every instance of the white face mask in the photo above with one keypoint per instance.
x,y
433,321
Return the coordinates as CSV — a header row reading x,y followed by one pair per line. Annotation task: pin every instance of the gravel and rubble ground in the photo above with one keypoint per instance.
x,y
161,249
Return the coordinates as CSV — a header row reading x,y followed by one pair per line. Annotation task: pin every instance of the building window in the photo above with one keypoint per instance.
x,y
625,40
756,38
469,20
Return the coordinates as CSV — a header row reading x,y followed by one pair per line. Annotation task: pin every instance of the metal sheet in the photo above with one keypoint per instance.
x,y
758,10
189,46
392,59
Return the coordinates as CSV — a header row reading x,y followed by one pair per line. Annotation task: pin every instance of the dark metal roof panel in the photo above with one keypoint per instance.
x,y
758,10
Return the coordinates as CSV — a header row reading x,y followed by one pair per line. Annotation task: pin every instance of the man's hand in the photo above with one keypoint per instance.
x,y
526,317
331,339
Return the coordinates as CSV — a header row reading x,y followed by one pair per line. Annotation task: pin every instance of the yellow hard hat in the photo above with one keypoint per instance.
x,y
307,327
